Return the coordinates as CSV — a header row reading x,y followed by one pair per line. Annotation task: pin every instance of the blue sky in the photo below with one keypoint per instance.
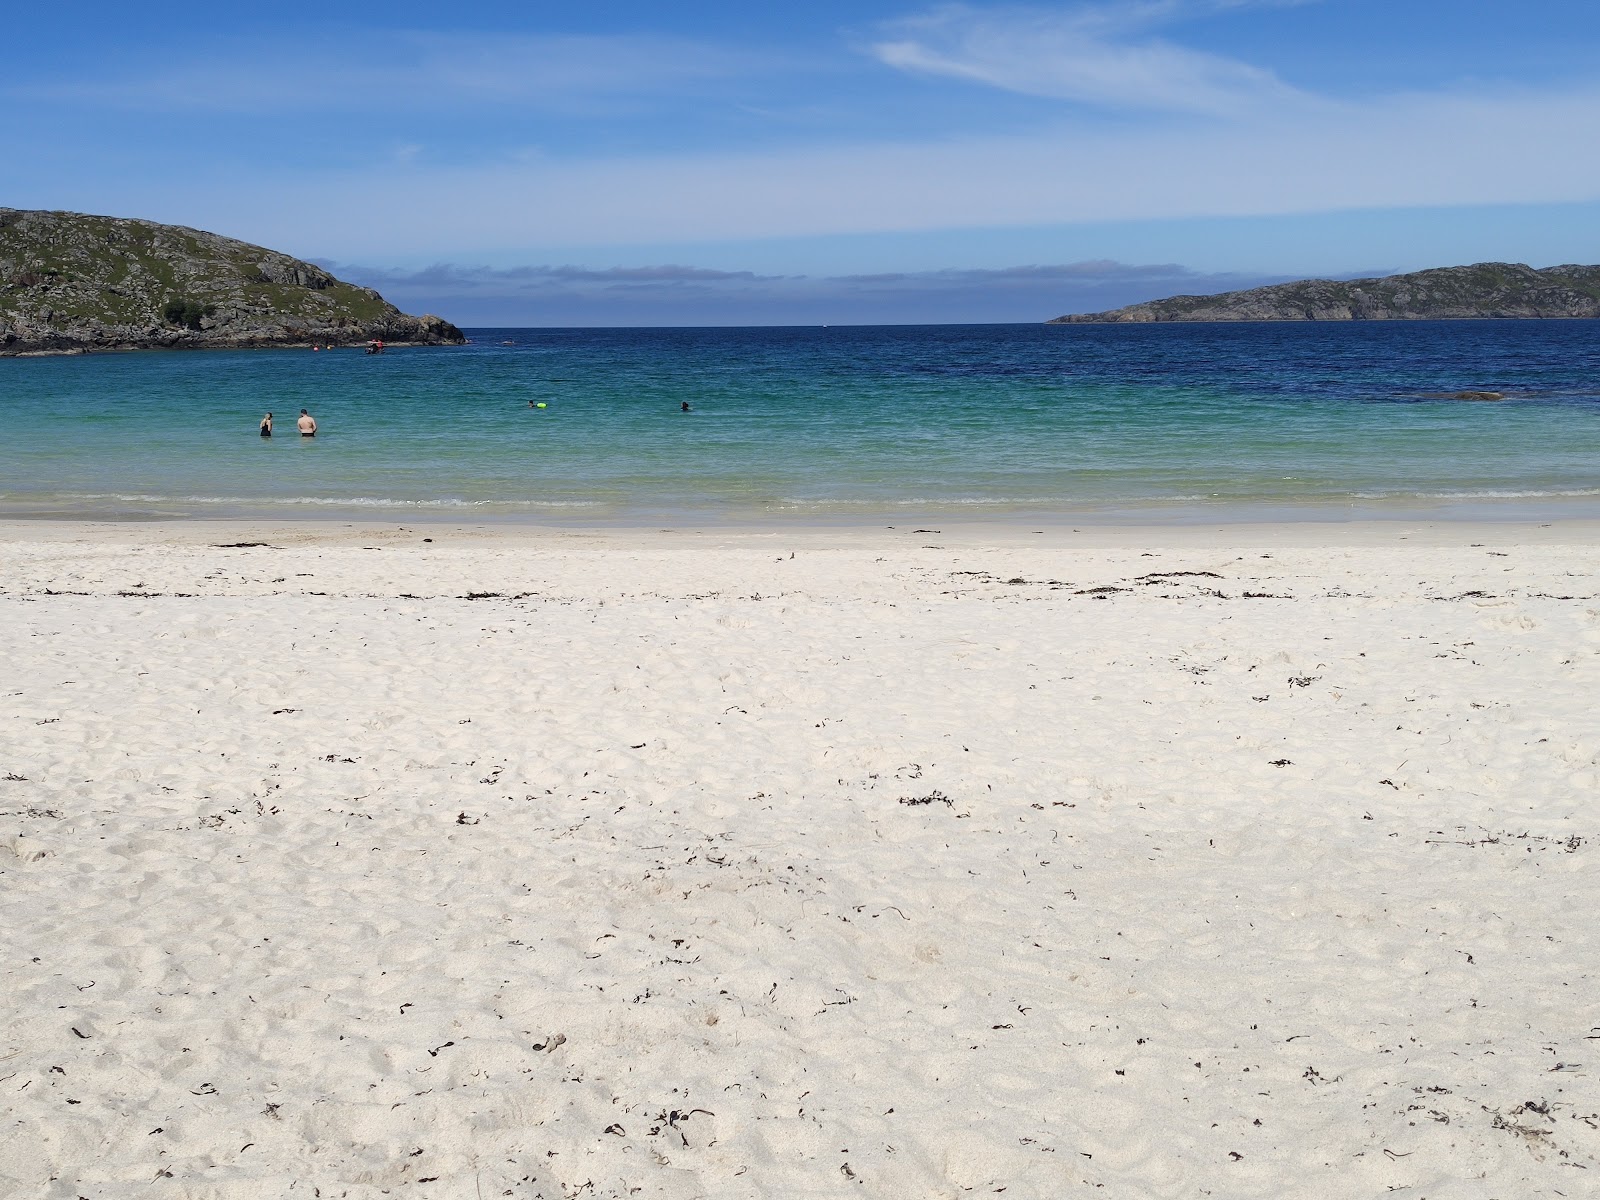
x,y
712,163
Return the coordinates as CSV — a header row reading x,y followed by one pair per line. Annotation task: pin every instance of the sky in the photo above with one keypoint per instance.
x,y
716,163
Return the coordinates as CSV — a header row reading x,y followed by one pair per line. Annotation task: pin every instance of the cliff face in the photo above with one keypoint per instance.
x,y
70,283
1484,290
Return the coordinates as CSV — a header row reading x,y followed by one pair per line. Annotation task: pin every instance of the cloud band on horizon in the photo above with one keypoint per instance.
x,y
674,294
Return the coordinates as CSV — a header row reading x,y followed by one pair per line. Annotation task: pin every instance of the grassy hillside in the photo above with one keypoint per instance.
x,y
75,282
1480,290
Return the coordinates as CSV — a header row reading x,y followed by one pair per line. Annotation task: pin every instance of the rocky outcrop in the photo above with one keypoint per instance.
x,y
1483,290
71,283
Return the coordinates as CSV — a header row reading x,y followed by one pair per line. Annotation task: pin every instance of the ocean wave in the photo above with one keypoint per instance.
x,y
1483,494
313,501
1066,502
1214,501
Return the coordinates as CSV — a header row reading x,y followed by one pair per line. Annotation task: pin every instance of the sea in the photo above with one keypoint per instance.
x,y
1073,423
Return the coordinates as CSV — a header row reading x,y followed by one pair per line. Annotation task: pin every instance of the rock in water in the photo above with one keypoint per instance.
x,y
1483,290
71,283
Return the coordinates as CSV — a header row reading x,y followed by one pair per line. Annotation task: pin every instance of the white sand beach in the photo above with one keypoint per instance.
x,y
345,861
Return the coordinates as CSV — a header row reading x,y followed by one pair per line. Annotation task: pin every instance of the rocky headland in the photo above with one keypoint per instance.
x,y
1443,293
71,283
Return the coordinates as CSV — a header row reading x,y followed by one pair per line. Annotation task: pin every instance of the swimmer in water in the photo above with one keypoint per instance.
x,y
307,424
266,425
684,407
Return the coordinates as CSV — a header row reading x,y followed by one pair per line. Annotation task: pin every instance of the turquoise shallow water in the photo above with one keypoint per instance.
x,y
1165,422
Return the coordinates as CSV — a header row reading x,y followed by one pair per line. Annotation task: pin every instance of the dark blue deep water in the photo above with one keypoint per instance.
x,y
1164,422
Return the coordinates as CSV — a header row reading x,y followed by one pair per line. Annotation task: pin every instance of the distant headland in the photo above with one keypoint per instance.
x,y
71,283
1443,293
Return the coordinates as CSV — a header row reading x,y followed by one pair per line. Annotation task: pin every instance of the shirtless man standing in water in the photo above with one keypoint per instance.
x,y
307,424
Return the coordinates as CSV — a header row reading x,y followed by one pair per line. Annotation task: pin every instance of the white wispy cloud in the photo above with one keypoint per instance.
x,y
398,71
1468,147
454,277
1103,55
1400,152
1097,271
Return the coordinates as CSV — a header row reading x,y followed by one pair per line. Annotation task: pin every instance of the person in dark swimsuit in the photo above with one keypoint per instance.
x,y
266,425
307,424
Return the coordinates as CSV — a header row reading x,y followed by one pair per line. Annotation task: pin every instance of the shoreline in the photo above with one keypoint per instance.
x,y
1488,510
1130,536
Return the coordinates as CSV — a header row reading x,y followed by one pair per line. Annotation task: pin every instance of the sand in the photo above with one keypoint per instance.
x,y
914,862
